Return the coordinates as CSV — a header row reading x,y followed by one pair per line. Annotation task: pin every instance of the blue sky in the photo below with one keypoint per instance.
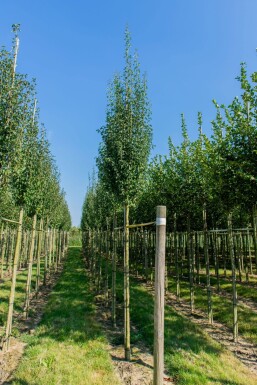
x,y
190,50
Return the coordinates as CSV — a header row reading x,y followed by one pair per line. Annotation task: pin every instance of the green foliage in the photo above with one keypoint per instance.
x,y
127,135
28,174
218,173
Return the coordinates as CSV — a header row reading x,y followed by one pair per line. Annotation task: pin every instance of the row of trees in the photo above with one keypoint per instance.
x,y
122,160
206,182
217,174
30,193
29,178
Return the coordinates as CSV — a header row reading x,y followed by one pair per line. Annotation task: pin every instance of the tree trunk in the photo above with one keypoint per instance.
x,y
30,265
13,284
232,257
3,250
190,265
207,261
255,233
39,254
114,251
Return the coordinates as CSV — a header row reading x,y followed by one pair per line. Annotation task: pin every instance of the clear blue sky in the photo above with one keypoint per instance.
x,y
190,50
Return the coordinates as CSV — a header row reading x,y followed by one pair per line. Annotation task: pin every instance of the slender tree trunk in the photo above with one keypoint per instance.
x,y
3,250
255,233
107,253
46,266
249,251
8,330
216,259
176,257
39,254
30,265
190,265
99,278
54,250
126,285
10,250
50,249
238,256
232,257
207,261
225,252
244,253
146,255
114,251
197,239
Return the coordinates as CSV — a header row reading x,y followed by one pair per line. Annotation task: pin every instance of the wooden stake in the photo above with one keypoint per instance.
x,y
126,285
159,295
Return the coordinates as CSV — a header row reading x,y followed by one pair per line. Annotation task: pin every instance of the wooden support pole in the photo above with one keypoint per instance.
x,y
159,295
126,285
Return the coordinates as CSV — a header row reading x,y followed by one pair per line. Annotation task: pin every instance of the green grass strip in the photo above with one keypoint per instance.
x,y
191,356
5,286
222,309
68,347
244,290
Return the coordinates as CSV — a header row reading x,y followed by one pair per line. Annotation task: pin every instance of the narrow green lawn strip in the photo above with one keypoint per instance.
x,y
222,309
5,286
68,347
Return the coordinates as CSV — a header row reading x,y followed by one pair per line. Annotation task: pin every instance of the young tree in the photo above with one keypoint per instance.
x,y
125,148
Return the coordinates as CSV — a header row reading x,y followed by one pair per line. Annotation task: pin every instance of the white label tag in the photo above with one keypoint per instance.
x,y
160,221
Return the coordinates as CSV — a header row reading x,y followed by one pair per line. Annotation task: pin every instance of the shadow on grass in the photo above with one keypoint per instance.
x,y
222,310
190,356
21,382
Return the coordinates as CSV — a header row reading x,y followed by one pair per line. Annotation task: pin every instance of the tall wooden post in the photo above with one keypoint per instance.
x,y
159,295
126,285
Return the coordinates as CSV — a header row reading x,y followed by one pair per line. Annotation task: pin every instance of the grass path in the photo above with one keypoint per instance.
x,y
68,347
